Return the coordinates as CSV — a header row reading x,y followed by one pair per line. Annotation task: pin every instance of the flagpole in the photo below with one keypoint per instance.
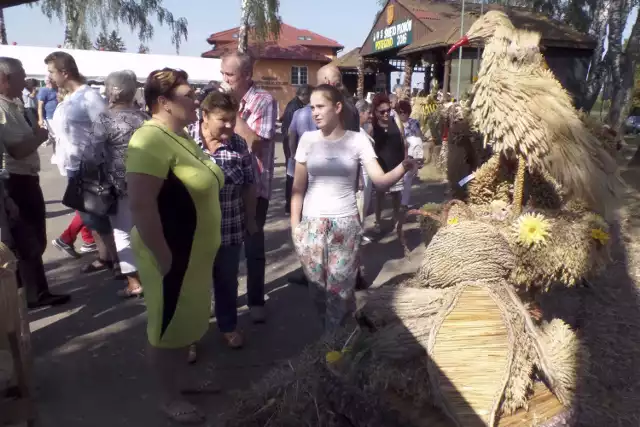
x,y
460,53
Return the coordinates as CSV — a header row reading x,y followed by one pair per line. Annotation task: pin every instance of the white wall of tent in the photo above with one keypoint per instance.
x,y
96,65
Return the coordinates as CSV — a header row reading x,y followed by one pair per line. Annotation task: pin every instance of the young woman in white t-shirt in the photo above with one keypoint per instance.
x,y
325,224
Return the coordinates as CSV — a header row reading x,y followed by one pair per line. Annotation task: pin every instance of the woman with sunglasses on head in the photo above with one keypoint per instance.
x,y
173,190
327,231
391,151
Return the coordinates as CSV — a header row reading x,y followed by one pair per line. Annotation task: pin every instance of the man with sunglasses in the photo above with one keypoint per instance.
x,y
20,137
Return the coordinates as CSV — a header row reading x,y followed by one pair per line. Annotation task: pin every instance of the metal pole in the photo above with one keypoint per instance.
x,y
460,53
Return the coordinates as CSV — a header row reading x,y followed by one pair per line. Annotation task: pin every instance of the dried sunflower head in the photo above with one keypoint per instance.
x,y
531,229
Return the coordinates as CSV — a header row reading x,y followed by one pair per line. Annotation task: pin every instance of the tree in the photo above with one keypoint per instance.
x,y
115,42
79,15
261,16
3,28
102,41
143,48
111,42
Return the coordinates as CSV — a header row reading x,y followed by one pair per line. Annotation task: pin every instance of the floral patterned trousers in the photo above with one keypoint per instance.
x,y
329,253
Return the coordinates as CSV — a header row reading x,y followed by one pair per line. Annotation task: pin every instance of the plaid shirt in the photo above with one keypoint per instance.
x,y
259,110
234,159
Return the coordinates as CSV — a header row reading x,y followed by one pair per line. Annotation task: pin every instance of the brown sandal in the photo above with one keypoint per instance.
x,y
234,339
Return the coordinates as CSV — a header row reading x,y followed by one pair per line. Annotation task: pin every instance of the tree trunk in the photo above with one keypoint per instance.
x,y
623,65
408,75
243,32
3,28
598,66
361,65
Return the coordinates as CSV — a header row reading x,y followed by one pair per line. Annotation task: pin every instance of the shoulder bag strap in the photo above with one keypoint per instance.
x,y
220,185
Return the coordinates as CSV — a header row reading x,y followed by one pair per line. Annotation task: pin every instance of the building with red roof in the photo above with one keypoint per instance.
x,y
283,64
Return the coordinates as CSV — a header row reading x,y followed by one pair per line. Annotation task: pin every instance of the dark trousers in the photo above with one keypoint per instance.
x,y
29,233
287,194
255,254
225,287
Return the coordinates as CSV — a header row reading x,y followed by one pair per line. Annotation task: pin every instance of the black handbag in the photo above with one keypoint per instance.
x,y
90,191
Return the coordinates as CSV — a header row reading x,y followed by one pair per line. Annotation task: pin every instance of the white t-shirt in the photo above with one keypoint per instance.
x,y
73,127
332,167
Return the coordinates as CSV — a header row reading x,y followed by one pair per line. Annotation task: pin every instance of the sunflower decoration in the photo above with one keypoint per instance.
x,y
599,235
531,230
453,220
333,357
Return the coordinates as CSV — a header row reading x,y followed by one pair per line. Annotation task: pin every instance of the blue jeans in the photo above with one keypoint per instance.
x,y
225,287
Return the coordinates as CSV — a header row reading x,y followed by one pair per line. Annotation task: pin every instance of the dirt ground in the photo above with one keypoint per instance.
x,y
90,355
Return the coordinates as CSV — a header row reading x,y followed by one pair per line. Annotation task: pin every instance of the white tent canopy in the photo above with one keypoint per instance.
x,y
96,65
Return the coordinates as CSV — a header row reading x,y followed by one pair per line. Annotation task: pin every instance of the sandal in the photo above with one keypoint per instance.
x,y
130,293
97,265
234,339
192,355
206,387
183,412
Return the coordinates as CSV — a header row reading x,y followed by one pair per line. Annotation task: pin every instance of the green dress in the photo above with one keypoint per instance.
x,y
179,303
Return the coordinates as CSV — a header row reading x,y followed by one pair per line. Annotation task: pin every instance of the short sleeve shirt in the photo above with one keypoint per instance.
x,y
332,168
259,110
49,99
14,130
234,159
302,121
188,202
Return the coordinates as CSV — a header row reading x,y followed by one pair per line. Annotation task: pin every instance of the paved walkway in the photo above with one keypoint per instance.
x,y
89,355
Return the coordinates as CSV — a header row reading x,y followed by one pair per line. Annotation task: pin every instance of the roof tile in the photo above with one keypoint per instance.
x,y
289,36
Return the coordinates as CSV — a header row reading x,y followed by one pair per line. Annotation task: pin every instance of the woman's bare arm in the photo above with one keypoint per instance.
x,y
143,193
297,193
383,181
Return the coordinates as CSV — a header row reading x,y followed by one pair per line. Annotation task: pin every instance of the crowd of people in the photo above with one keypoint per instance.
x,y
189,181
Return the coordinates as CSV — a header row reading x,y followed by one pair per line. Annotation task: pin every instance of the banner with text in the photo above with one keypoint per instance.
x,y
397,35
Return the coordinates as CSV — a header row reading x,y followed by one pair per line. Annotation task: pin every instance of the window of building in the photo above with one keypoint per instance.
x,y
299,76
304,38
235,36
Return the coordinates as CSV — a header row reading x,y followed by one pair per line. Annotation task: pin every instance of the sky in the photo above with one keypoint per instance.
x,y
346,21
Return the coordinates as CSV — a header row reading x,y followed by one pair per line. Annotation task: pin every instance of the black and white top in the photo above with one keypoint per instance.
x,y
112,132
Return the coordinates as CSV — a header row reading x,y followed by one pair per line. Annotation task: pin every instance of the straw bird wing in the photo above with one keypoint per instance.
x,y
531,114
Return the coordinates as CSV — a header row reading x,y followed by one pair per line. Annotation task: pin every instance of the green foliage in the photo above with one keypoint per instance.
x,y
111,42
79,15
263,19
143,48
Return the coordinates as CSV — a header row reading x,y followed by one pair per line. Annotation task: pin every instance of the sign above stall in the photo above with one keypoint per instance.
x,y
397,35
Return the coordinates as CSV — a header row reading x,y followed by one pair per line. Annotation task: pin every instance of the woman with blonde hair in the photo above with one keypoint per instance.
x,y
325,222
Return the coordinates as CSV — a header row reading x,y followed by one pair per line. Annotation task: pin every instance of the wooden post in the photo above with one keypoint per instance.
x,y
447,76
361,65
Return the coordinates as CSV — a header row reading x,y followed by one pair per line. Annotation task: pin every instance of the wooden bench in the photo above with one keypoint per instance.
x,y
16,403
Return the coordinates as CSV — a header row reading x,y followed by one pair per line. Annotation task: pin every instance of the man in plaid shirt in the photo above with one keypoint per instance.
x,y
256,124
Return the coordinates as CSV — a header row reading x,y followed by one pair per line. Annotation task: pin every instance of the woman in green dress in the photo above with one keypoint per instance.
x,y
174,191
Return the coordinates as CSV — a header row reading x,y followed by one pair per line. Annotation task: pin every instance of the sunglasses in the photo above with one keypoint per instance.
x,y
384,112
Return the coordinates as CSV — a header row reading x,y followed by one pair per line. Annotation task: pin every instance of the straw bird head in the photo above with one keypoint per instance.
x,y
483,29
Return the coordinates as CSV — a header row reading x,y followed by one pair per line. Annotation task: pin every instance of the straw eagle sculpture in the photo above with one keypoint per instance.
x,y
518,104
